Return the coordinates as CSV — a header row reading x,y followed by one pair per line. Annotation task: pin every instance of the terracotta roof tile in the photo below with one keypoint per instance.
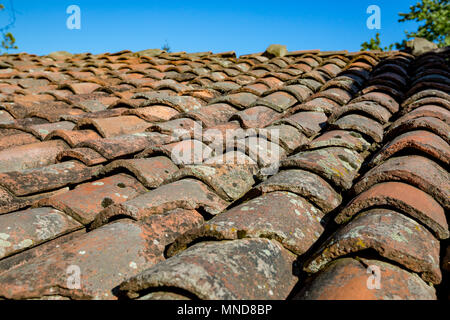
x,y
361,124
261,150
346,279
180,103
10,203
151,172
5,117
42,130
279,101
371,109
72,137
39,251
318,104
9,141
423,141
123,145
426,123
338,95
87,156
24,229
432,97
116,126
176,127
107,256
212,114
51,177
30,156
54,112
187,194
89,141
290,138
406,199
191,271
335,164
350,83
256,117
309,123
229,181
340,138
382,98
429,111
235,157
393,235
190,151
240,100
257,219
418,171
94,115
86,200
306,184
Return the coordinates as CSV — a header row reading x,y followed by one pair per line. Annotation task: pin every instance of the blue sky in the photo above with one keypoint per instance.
x,y
245,26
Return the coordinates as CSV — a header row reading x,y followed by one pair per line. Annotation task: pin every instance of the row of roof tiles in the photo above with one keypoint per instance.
x,y
87,177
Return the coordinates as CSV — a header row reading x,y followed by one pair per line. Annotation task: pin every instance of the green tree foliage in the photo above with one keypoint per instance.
x,y
8,42
435,14
374,44
166,47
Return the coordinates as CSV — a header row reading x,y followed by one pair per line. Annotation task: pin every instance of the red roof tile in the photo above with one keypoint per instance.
x,y
393,235
268,264
346,279
338,161
404,198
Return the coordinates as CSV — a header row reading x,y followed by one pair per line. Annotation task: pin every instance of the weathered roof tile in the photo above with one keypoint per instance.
x,y
85,201
414,170
209,271
116,126
229,180
340,138
336,164
283,216
404,198
18,139
381,98
309,123
256,117
371,109
420,140
32,181
393,235
347,278
306,184
174,140
24,229
105,257
187,193
123,145
151,172
364,125
30,156
87,156
434,125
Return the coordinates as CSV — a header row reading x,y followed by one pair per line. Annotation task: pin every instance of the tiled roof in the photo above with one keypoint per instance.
x,y
94,204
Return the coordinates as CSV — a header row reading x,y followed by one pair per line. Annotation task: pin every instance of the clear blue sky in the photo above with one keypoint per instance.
x,y
245,26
